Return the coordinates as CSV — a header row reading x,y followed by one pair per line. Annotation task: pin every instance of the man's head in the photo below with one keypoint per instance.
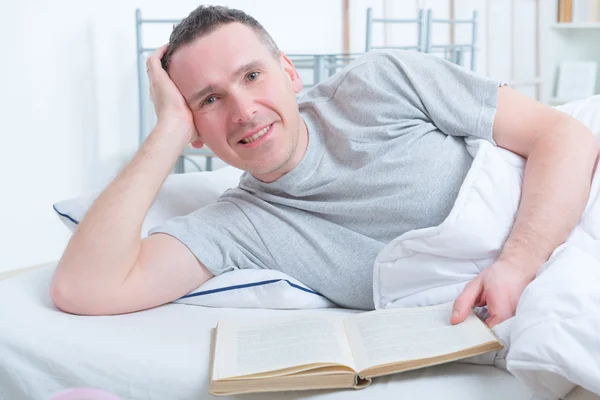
x,y
238,85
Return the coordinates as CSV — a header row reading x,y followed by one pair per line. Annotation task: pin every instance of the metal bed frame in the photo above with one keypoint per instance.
x,y
454,52
425,22
321,66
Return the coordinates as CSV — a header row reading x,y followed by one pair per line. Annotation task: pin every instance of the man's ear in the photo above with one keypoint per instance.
x,y
290,70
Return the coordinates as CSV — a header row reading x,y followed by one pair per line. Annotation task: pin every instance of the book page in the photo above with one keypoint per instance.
x,y
404,334
252,347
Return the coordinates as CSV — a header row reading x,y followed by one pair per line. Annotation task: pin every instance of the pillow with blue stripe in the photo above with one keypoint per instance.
x,y
255,288
182,194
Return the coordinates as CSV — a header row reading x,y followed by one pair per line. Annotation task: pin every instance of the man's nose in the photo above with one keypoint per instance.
x,y
244,109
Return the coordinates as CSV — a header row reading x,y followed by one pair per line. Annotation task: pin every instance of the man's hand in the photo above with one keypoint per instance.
x,y
169,104
499,287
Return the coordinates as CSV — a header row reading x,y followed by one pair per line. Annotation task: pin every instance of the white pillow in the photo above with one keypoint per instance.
x,y
252,288
182,194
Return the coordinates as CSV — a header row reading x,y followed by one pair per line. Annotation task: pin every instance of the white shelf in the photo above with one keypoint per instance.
x,y
577,25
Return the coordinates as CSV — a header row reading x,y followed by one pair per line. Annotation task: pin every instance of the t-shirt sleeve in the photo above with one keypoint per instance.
x,y
458,101
220,236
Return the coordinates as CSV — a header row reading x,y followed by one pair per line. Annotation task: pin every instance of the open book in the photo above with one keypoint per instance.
x,y
324,352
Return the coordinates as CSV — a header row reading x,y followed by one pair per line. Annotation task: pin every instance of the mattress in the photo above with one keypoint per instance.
x,y
162,353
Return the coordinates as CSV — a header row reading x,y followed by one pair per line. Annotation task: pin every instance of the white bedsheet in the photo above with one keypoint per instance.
x,y
162,354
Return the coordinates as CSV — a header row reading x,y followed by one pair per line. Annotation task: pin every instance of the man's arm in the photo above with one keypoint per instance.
x,y
106,267
561,153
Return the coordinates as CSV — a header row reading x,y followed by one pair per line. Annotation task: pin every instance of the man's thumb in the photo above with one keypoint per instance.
x,y
465,302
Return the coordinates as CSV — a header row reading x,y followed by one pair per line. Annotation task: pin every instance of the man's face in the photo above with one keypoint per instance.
x,y
237,90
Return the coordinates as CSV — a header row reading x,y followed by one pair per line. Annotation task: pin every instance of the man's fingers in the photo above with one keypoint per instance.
x,y
499,311
481,300
160,52
465,302
154,61
495,320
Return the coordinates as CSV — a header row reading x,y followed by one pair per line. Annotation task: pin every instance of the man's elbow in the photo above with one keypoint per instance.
x,y
60,296
577,131
72,298
570,136
587,141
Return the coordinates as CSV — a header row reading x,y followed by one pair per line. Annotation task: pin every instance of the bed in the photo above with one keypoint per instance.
x,y
163,353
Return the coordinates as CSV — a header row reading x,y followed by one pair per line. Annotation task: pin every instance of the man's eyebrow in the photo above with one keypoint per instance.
x,y
248,67
239,71
200,94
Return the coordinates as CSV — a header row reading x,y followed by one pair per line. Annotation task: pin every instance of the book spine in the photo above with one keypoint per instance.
x,y
595,10
565,11
568,10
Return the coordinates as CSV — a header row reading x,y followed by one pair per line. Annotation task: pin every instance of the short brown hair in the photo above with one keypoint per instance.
x,y
206,19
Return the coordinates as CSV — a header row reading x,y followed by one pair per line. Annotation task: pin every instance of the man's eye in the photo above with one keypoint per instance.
x,y
209,101
252,76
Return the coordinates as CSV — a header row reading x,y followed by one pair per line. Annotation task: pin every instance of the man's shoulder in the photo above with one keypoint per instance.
x,y
400,58
397,54
376,60
375,57
326,89
366,69
359,67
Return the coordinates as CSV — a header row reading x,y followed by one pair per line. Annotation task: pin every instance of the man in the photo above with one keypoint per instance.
x,y
373,152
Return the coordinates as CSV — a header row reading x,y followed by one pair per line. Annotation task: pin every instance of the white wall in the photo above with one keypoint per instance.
x,y
68,93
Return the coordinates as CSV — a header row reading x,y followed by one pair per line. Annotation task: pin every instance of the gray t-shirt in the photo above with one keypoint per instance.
x,y
386,154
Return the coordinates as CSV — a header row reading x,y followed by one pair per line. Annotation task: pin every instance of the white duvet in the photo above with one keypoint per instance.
x,y
553,342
